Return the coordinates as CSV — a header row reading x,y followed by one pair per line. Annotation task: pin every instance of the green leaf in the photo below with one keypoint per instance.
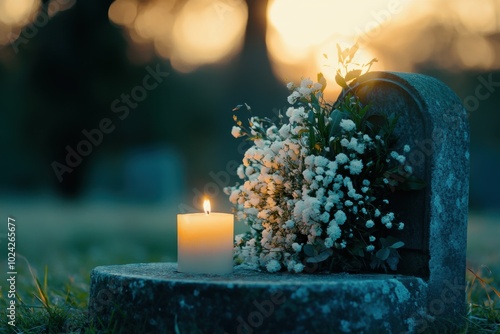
x,y
326,56
391,242
386,242
314,102
309,250
352,52
351,75
397,245
339,53
321,123
335,118
412,183
322,81
345,53
383,253
312,137
321,256
340,81
362,111
310,116
358,251
374,60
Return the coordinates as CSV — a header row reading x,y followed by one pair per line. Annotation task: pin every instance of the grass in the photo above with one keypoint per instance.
x,y
44,310
53,286
484,303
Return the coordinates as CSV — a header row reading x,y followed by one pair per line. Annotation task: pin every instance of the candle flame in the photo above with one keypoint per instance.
x,y
206,206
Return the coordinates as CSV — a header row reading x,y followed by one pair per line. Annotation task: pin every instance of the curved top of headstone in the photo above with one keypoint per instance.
x,y
423,88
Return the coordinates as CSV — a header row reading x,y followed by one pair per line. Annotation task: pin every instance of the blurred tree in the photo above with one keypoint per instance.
x,y
69,72
254,81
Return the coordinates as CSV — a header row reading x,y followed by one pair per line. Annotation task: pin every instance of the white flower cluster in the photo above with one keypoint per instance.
x,y
292,196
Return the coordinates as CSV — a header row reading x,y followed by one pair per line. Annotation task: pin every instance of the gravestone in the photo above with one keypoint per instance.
x,y
427,293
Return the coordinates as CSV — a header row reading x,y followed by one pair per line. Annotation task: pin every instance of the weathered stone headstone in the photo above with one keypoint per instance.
x,y
429,291
434,123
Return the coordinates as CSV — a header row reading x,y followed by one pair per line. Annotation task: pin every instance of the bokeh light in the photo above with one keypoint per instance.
x,y
190,34
17,12
14,15
453,35
402,34
301,33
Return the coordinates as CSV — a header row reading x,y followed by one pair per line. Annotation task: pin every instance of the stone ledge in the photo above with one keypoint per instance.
x,y
155,298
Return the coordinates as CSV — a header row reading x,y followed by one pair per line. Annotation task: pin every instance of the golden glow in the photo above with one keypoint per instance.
x,y
309,23
477,16
15,15
190,34
123,12
17,12
207,31
400,33
206,206
301,32
475,51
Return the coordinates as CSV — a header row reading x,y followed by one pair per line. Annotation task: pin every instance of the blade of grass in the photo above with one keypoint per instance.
x,y
482,280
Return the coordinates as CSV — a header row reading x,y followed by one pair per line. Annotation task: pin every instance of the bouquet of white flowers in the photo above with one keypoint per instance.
x,y
316,184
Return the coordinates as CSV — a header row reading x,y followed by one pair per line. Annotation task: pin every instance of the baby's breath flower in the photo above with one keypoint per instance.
x,y
293,97
236,131
296,247
304,91
306,82
333,231
340,217
341,158
298,268
355,167
328,242
302,187
347,125
273,266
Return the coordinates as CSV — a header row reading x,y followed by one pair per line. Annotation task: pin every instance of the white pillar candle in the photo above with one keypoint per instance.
x,y
205,242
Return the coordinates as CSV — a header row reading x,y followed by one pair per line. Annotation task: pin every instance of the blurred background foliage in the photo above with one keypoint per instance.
x,y
64,62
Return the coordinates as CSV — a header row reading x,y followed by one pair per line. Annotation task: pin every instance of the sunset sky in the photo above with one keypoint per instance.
x,y
400,33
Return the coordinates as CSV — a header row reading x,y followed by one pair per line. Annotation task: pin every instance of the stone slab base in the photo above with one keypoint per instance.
x,y
155,298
